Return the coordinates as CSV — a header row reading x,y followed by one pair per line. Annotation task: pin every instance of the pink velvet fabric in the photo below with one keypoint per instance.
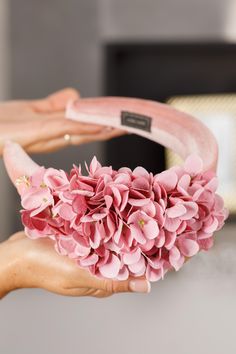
x,y
171,128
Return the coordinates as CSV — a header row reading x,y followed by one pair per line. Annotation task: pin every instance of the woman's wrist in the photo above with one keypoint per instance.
x,y
9,266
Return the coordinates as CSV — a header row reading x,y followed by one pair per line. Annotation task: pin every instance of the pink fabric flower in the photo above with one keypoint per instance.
x,y
125,223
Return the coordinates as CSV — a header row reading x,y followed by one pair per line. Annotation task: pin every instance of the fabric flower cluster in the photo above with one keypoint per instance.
x,y
124,223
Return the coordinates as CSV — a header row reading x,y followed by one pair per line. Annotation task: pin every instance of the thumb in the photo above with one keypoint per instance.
x,y
131,285
17,162
138,285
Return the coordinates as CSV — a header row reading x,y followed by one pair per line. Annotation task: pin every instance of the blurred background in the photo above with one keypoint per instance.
x,y
181,52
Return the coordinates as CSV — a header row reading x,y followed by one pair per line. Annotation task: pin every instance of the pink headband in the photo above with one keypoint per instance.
x,y
126,223
156,121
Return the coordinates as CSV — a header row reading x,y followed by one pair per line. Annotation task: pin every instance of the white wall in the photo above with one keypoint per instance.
x,y
230,21
168,19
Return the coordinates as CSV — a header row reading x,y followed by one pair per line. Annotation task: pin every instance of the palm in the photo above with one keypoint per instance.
x,y
43,267
57,274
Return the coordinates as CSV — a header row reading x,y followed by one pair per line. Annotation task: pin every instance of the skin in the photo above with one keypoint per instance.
x,y
40,126
35,264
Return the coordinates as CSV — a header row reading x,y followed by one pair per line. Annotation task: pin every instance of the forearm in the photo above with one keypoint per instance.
x,y
7,269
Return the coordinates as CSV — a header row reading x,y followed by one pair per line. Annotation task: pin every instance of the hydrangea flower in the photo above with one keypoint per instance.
x,y
124,223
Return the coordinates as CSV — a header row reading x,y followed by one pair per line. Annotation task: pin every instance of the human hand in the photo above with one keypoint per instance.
x,y
40,125
35,264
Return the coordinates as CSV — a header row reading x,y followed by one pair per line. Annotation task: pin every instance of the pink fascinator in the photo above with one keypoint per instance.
x,y
122,223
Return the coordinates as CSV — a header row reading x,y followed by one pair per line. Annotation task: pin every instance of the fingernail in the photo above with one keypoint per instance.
x,y
140,286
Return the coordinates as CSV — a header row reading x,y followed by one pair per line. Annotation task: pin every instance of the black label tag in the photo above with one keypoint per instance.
x,y
136,120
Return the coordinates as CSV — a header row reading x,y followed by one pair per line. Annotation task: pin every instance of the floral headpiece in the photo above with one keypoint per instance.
x,y
126,223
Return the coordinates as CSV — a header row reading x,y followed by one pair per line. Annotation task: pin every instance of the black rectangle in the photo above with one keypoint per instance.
x,y
136,120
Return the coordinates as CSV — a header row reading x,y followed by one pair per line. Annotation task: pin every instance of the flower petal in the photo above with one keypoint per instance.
x,y
111,268
137,267
139,202
176,211
140,172
191,210
154,274
172,224
151,229
137,234
188,247
90,260
123,274
168,179
132,258
193,165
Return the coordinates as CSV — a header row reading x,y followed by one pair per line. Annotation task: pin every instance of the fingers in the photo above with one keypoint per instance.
x,y
104,288
84,292
106,134
138,285
58,143
134,285
35,131
54,102
48,129
55,128
17,162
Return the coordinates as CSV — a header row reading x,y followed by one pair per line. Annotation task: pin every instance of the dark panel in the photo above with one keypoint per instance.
x,y
159,71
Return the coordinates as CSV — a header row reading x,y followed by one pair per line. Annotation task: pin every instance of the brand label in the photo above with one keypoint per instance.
x,y
136,120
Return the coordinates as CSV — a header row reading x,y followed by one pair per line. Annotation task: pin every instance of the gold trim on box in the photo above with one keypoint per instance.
x,y
201,106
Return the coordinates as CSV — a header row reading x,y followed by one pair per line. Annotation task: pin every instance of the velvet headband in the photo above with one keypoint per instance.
x,y
122,223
